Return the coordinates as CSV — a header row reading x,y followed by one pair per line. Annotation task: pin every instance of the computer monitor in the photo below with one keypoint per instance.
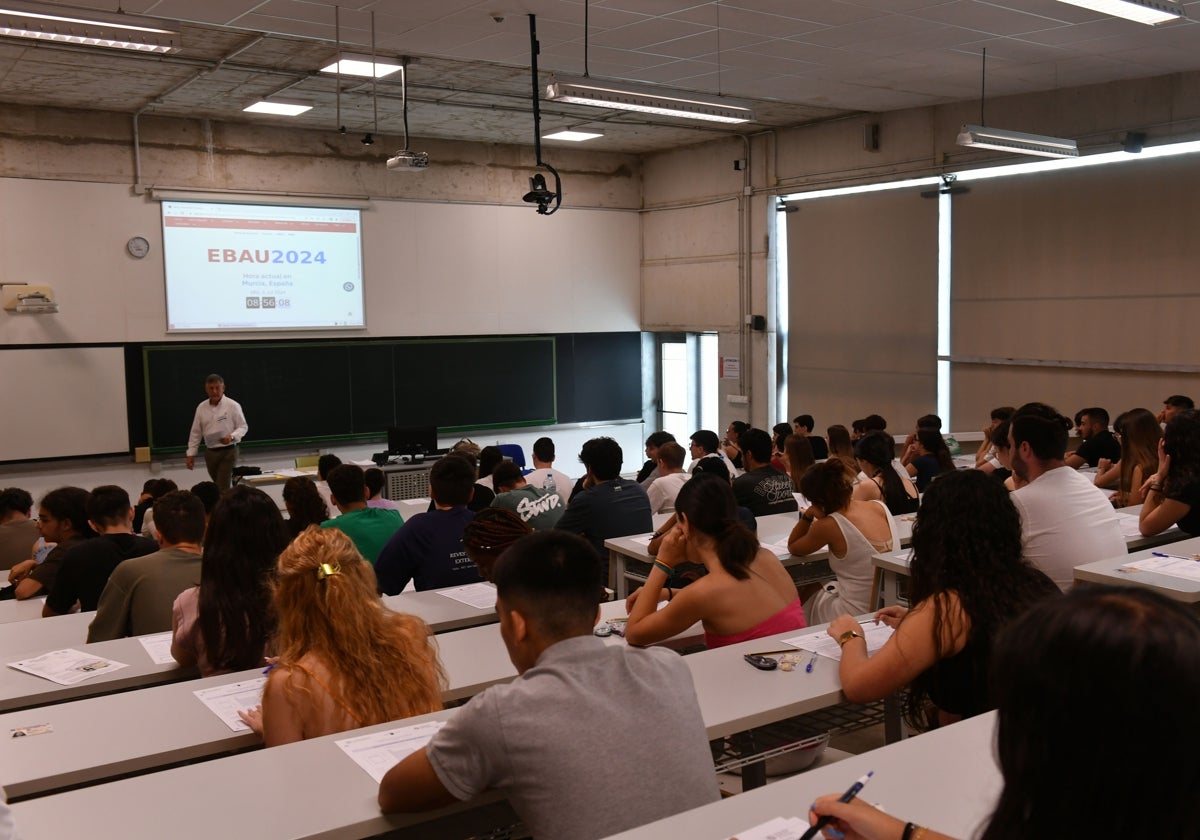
x,y
412,440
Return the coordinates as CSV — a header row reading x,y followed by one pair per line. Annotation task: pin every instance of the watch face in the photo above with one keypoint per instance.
x,y
138,246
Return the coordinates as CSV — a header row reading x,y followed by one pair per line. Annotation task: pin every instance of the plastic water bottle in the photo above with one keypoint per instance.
x,y
548,483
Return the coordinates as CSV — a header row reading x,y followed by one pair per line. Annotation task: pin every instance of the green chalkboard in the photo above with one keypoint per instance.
x,y
312,391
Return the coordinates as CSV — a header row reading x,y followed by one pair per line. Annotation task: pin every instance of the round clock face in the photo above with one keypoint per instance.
x,y
138,247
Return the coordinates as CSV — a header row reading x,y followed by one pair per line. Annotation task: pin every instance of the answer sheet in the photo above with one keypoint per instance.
x,y
67,667
822,644
380,752
481,596
1180,567
158,647
780,828
225,700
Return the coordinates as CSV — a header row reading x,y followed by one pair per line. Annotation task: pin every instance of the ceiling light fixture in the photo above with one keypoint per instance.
x,y
357,64
982,137
1150,12
278,107
573,134
648,100
96,29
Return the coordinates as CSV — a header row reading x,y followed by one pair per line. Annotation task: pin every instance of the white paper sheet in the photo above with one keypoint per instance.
x,y
642,539
225,700
380,752
481,596
780,550
291,473
67,667
780,828
822,644
1180,567
158,646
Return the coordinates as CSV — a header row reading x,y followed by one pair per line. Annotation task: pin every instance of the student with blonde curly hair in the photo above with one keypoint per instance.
x,y
345,661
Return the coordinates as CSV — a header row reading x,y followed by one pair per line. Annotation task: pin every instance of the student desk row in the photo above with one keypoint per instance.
x,y
140,731
1108,572
25,640
946,779
889,568
14,610
773,529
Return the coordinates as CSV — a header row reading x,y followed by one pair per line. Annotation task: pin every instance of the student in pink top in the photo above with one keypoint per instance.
x,y
746,594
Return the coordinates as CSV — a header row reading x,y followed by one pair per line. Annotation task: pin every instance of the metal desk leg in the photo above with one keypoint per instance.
x,y
754,775
893,720
616,574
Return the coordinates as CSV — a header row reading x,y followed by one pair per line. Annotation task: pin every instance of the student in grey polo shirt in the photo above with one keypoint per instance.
x,y
541,739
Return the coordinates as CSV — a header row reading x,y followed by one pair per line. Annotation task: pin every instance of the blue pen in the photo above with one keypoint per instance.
x,y
811,662
1174,556
845,797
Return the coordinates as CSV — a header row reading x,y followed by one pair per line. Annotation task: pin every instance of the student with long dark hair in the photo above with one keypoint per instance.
x,y
746,593
1172,494
968,580
226,622
1138,432
1065,672
930,458
304,503
884,483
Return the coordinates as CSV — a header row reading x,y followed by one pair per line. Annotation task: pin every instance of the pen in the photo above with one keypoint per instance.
x,y
845,797
808,668
1174,556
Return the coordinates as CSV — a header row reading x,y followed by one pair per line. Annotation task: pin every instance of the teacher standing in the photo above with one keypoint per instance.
x,y
220,423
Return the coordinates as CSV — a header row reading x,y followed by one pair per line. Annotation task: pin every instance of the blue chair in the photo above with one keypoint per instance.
x,y
514,452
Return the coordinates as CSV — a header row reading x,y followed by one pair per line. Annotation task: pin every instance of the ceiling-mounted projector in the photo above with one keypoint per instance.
x,y
406,161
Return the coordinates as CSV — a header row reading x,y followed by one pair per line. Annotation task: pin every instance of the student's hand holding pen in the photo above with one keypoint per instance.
x,y
856,820
891,616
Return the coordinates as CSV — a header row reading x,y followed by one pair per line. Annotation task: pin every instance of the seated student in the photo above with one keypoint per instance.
x,y
151,490
611,506
544,475
545,739
483,495
86,567
879,481
224,624
746,593
708,466
762,488
780,432
649,470
535,505
732,445
705,444
344,661
161,488
671,477
208,493
1172,404
1138,433
1172,494
803,425
798,457
374,479
326,464
141,590
987,449
999,464
304,504
62,520
840,445
428,549
928,458
490,457
18,532
1098,441
1066,520
966,584
370,528
487,536
854,530
1137,651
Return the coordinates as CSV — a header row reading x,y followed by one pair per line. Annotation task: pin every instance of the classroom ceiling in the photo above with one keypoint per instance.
x,y
798,60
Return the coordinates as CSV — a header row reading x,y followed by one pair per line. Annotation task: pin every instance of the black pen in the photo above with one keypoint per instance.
x,y
845,797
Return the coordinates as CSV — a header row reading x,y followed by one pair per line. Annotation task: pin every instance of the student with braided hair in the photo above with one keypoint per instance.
x,y
345,661
487,536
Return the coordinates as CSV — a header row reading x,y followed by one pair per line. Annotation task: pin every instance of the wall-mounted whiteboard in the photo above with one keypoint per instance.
x,y
62,401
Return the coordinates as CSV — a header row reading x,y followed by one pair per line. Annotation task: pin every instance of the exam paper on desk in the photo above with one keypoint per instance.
x,y
158,647
822,644
780,828
67,667
381,751
1181,567
482,596
224,701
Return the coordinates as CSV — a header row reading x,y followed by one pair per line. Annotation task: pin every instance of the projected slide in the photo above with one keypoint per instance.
x,y
259,267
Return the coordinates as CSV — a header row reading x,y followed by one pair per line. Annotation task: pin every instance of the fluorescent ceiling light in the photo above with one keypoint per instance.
x,y
1151,12
982,137
357,64
278,106
648,100
116,31
573,135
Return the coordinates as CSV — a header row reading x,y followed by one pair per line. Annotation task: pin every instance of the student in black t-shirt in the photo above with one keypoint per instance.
x,y
1098,441
762,488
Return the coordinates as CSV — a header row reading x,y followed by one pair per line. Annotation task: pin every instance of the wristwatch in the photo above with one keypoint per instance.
x,y
847,636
